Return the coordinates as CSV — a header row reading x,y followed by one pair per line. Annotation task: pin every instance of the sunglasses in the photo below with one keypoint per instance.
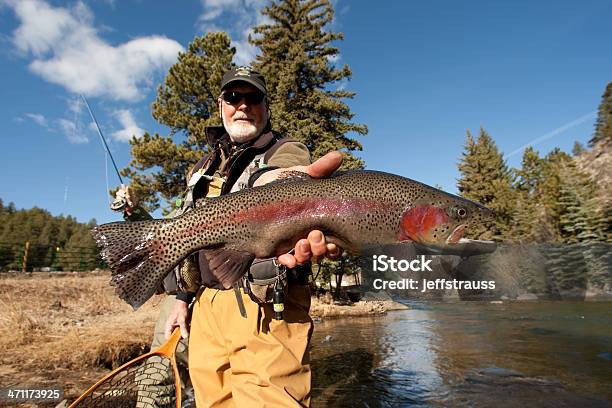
x,y
251,98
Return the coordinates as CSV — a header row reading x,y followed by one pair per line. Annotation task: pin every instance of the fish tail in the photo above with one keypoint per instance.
x,y
129,249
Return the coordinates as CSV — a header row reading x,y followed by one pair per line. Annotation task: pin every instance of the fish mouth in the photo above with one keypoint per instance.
x,y
456,235
464,248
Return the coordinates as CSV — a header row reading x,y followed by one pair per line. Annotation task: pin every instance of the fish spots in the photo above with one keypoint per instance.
x,y
308,208
416,223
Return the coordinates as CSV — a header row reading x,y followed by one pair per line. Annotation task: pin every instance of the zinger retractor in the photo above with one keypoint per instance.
x,y
278,294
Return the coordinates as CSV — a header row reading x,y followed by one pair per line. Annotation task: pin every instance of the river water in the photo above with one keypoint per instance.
x,y
476,354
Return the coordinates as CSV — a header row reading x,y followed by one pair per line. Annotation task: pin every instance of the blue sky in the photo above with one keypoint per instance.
x,y
424,73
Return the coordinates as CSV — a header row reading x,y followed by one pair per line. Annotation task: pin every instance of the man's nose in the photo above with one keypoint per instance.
x,y
242,105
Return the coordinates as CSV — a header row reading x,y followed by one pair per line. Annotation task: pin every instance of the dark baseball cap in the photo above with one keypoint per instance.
x,y
244,74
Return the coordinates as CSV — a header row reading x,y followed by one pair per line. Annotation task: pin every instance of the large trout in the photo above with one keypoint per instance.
x,y
354,209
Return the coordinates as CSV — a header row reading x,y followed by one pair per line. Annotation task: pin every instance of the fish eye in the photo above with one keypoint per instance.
x,y
462,212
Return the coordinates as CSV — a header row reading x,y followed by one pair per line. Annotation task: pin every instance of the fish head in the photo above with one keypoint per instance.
x,y
441,218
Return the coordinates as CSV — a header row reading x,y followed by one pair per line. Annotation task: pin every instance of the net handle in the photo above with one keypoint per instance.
x,y
168,349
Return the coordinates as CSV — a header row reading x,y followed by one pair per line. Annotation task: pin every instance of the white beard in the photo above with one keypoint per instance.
x,y
241,132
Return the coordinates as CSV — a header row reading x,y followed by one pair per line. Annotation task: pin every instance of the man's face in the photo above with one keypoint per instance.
x,y
242,120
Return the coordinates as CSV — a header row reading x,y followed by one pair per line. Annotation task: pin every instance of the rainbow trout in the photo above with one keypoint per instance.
x,y
354,210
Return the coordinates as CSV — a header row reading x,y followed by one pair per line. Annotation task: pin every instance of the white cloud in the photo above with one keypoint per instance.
x,y
67,51
75,104
236,17
111,3
130,129
245,52
37,118
342,84
41,26
92,126
214,8
72,132
334,59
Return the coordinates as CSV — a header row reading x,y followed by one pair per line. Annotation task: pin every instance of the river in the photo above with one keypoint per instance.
x,y
476,354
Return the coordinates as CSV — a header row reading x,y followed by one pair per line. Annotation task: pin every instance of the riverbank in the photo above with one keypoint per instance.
x,y
68,330
373,304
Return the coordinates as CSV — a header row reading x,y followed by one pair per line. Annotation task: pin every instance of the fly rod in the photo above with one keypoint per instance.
x,y
102,137
119,203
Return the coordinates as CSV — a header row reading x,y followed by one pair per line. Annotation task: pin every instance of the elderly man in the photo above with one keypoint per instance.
x,y
239,354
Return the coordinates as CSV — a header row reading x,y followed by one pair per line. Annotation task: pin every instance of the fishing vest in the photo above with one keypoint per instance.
x,y
226,169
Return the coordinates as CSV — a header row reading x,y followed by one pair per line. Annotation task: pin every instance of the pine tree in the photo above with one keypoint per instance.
x,y
597,161
44,233
578,149
527,185
529,176
579,218
549,194
485,178
295,58
187,103
583,259
603,125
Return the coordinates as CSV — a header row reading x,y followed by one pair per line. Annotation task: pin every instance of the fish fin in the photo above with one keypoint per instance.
x,y
464,248
128,248
228,265
290,176
202,202
293,174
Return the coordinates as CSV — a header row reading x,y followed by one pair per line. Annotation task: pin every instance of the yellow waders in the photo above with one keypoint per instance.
x,y
250,362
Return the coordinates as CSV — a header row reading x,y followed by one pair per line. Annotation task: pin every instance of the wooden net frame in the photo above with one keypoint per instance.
x,y
148,381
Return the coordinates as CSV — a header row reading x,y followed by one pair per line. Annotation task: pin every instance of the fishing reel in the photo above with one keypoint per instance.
x,y
119,204
122,199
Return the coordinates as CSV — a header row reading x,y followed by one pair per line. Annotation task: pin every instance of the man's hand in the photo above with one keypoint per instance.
x,y
321,168
315,244
307,248
123,195
177,317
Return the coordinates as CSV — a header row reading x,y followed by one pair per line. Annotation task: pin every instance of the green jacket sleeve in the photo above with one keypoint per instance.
x,y
138,214
290,154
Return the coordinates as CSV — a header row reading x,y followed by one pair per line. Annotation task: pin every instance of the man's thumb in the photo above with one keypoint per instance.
x,y
184,330
325,165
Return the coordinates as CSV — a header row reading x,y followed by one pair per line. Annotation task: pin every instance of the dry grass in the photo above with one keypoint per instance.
x,y
67,330
327,309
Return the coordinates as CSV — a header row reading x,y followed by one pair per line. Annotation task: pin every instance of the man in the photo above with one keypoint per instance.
x,y
239,355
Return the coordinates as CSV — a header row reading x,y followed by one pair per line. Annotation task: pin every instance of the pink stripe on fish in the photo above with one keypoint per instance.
x,y
309,208
287,210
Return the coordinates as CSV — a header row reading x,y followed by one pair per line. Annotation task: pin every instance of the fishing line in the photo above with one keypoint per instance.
x,y
106,177
66,194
